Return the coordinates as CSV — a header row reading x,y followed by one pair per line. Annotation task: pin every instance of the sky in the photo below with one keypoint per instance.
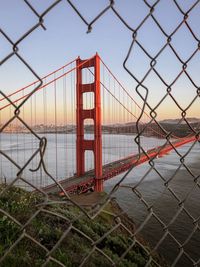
x,y
66,38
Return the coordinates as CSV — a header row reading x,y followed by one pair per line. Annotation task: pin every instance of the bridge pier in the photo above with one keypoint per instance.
x,y
83,145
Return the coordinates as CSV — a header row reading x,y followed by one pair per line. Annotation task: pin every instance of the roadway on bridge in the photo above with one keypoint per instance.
x,y
81,184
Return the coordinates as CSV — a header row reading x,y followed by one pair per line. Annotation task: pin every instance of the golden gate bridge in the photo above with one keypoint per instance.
x,y
84,100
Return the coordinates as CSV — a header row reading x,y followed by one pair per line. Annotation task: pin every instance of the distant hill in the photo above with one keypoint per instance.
x,y
175,121
181,129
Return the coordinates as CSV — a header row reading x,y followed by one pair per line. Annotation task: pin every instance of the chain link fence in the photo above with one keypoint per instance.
x,y
97,236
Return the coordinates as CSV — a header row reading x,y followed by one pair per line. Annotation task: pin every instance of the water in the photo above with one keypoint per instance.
x,y
60,161
60,155
165,205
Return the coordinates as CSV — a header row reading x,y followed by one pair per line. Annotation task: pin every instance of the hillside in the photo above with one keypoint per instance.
x,y
65,231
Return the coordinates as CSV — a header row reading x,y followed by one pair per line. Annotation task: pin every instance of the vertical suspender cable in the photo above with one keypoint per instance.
x,y
31,144
110,117
45,180
55,121
34,175
10,139
103,115
17,136
64,174
73,141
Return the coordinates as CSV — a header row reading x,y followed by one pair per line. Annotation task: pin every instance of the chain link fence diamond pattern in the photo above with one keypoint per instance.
x,y
78,228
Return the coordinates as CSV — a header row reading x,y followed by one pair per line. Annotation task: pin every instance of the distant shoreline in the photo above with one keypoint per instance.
x,y
103,133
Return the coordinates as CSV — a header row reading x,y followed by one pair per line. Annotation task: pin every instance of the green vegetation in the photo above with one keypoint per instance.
x,y
62,229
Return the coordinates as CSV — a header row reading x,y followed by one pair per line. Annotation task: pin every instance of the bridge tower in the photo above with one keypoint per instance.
x,y
82,114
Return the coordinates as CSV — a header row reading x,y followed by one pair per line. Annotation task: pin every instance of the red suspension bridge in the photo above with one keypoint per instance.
x,y
89,120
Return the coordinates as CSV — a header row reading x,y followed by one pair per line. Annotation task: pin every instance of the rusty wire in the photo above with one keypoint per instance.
x,y
70,224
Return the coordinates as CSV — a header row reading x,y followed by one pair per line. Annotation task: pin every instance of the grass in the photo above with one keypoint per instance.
x,y
50,230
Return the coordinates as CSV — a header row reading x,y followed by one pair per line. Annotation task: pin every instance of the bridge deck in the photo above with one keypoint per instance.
x,y
77,184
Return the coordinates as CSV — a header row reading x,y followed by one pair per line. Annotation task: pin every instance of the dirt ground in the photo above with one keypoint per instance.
x,y
89,199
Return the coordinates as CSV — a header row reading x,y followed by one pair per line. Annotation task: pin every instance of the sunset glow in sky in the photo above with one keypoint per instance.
x,y
66,38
